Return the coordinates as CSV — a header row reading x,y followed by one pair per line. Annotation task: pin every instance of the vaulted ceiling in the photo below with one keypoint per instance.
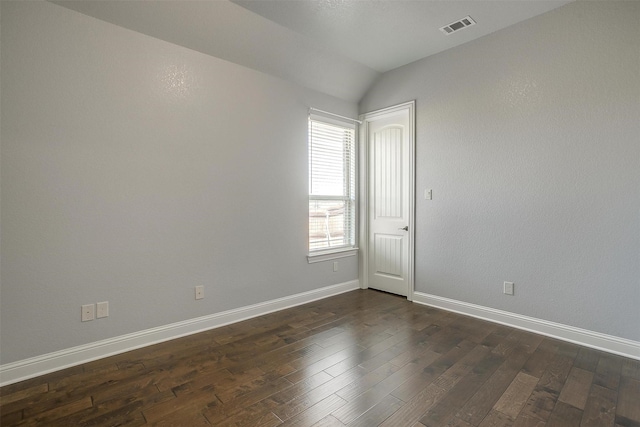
x,y
338,47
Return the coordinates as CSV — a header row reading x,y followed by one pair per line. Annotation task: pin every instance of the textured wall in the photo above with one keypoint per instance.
x,y
133,170
530,140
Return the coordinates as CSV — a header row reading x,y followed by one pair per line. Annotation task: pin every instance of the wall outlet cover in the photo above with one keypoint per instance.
x,y
88,312
102,309
508,288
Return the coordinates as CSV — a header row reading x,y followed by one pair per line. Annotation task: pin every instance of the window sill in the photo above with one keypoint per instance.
x,y
331,254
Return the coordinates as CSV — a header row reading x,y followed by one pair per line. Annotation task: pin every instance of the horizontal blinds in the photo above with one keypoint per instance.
x,y
331,185
330,159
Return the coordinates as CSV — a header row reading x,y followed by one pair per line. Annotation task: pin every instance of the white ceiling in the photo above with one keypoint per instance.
x,y
338,47
386,34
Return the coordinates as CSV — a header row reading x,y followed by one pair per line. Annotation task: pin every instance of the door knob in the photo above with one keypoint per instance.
x,y
405,228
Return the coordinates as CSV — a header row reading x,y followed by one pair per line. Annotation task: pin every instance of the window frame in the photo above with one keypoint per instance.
x,y
350,197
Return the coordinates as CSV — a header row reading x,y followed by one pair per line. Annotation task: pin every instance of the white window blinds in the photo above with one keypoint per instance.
x,y
331,185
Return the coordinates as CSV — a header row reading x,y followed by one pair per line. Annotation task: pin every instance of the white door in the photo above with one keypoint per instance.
x,y
389,139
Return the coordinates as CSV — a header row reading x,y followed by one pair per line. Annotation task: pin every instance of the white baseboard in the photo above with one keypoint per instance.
x,y
599,341
28,368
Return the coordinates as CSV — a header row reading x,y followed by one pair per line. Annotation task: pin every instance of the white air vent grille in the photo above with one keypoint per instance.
x,y
465,22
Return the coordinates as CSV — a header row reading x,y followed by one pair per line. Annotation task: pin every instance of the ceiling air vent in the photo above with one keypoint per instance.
x,y
465,22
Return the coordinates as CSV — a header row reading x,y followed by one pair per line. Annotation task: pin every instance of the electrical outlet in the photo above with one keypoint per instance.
x,y
508,288
102,309
88,312
199,292
335,266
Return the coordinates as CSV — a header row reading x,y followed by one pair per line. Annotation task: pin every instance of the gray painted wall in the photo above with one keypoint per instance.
x,y
530,140
133,170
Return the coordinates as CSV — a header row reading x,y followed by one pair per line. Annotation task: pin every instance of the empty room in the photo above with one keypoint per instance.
x,y
320,213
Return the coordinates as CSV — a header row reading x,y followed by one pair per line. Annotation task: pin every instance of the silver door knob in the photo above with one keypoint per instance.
x,y
405,228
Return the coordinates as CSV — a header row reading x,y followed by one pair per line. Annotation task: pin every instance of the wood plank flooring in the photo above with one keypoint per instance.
x,y
364,358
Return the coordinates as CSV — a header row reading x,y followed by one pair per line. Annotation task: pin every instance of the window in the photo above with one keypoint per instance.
x,y
332,186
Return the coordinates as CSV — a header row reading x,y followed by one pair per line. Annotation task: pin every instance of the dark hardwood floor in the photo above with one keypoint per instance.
x,y
363,358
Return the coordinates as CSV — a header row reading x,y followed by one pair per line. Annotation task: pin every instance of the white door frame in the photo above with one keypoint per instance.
x,y
363,161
